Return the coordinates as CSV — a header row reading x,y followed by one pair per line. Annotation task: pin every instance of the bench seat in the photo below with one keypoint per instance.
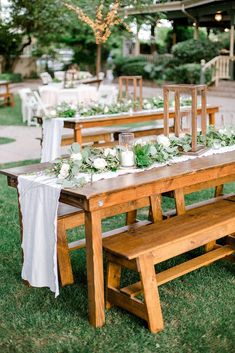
x,y
147,246
176,235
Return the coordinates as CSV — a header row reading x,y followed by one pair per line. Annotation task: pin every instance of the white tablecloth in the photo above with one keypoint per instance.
x,y
54,94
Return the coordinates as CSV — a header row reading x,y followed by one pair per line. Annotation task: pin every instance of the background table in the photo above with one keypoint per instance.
x,y
136,117
107,198
54,94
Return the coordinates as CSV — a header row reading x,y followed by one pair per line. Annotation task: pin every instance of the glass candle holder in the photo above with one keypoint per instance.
x,y
127,157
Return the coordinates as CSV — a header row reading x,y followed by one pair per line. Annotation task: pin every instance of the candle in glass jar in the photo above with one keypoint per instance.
x,y
127,158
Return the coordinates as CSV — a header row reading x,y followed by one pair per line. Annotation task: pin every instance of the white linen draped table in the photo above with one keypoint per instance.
x,y
54,94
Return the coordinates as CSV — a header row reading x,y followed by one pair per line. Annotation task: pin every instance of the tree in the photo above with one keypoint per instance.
x,y
30,19
101,25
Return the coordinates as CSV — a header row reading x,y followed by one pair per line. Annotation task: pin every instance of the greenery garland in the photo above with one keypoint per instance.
x,y
98,160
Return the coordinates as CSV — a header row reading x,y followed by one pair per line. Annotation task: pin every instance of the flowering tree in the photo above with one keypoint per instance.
x,y
101,25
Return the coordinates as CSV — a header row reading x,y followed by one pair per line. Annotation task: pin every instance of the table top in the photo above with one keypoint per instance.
x,y
136,185
126,118
4,83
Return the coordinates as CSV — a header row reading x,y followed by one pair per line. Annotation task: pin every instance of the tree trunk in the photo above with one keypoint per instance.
x,y
98,59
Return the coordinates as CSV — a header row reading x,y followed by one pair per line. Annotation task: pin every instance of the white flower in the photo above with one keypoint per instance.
x,y
64,171
106,109
76,156
148,106
53,113
182,134
153,150
100,163
224,132
110,151
163,140
140,142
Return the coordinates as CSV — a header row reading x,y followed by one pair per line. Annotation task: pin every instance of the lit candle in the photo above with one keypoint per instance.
x,y
127,158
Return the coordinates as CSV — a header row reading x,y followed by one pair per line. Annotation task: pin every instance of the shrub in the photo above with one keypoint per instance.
x,y
136,68
193,51
12,77
121,61
186,73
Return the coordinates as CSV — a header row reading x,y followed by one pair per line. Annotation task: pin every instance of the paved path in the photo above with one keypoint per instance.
x,y
27,146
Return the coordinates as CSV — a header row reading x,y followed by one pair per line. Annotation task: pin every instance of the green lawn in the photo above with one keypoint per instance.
x,y
4,140
11,115
198,308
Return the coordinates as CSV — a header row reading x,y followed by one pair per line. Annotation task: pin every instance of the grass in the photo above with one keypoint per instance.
x,y
198,308
11,115
4,140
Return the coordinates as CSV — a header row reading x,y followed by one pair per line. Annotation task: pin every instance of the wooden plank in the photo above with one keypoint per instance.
x,y
182,269
179,201
134,306
151,296
65,268
94,261
113,279
79,244
178,234
156,207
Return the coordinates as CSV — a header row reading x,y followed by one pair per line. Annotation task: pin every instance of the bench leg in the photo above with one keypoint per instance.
x,y
64,262
131,217
151,295
113,279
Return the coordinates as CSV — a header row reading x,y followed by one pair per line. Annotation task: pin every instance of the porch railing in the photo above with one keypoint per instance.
x,y
220,68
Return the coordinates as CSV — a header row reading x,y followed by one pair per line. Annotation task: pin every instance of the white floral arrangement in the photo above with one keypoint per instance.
x,y
87,160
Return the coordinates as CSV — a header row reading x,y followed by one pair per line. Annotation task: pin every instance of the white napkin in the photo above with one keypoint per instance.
x,y
39,200
51,144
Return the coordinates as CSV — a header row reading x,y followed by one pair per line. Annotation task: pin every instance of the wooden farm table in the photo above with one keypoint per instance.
x,y
106,198
126,118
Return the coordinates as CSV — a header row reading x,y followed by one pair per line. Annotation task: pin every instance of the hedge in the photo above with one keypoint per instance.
x,y
12,77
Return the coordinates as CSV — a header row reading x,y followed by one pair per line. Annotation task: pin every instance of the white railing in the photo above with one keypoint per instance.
x,y
219,66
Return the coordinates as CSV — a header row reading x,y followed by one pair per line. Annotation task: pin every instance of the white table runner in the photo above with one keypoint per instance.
x,y
39,201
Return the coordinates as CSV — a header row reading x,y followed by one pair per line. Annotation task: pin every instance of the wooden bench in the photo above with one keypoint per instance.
x,y
145,247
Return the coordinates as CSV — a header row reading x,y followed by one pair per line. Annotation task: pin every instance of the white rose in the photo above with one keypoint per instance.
x,y
100,163
223,131
76,156
106,109
182,134
153,150
148,106
110,151
140,142
163,140
64,171
53,113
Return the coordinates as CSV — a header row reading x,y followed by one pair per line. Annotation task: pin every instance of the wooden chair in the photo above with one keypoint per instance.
x,y
147,246
5,94
137,82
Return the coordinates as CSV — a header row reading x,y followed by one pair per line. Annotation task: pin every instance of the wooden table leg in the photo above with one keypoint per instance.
x,y
78,135
95,277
